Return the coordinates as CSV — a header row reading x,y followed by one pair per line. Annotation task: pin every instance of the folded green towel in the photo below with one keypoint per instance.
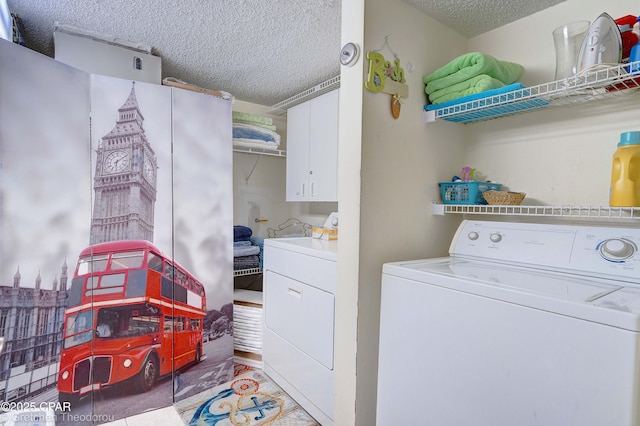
x,y
243,117
471,65
477,84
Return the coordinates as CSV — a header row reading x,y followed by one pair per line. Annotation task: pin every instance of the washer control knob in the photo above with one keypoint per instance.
x,y
473,235
617,249
496,238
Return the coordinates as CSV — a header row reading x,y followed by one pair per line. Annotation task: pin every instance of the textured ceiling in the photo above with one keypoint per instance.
x,y
261,51
475,17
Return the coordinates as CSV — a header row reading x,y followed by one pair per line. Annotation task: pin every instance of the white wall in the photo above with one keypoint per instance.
x,y
561,155
392,173
349,148
349,154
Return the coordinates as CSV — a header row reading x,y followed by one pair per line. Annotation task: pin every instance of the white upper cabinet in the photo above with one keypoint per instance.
x,y
312,149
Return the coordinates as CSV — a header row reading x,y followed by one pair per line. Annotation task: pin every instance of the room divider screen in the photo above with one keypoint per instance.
x,y
115,241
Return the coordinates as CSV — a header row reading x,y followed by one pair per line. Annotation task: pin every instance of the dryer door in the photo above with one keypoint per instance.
x,y
302,315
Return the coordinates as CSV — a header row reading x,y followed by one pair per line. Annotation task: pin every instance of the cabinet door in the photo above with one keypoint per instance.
x,y
298,152
323,147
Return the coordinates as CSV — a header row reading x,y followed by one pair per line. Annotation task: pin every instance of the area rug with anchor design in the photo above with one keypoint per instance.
x,y
250,399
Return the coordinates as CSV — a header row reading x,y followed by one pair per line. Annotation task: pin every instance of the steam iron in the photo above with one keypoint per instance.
x,y
601,45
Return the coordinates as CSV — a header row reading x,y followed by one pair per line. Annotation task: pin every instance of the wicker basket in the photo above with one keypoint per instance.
x,y
504,198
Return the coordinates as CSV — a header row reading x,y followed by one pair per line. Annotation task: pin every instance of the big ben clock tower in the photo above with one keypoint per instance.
x,y
125,180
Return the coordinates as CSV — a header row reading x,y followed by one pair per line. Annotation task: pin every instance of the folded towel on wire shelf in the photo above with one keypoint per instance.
x,y
474,85
245,251
253,132
469,66
259,242
245,262
257,120
241,233
255,143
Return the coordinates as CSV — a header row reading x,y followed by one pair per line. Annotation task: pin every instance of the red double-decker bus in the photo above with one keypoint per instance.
x,y
132,315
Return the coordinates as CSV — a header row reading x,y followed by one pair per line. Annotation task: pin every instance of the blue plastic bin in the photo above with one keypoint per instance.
x,y
469,192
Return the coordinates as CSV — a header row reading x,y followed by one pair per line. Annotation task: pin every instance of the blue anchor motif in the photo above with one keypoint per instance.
x,y
203,416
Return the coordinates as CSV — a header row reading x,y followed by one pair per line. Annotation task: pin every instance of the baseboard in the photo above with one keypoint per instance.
x,y
247,358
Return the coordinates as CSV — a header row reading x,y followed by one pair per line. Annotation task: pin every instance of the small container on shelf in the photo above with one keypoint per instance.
x,y
466,192
504,198
329,234
625,172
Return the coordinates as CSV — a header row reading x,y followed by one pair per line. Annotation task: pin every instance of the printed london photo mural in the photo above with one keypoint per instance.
x,y
45,210
116,252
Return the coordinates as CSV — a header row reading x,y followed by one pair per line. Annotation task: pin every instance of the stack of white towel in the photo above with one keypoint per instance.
x,y
254,131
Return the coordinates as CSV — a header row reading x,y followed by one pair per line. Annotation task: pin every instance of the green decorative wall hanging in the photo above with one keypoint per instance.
x,y
387,78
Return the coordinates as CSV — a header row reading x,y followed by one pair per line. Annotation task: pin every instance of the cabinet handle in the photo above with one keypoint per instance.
x,y
303,188
313,187
295,293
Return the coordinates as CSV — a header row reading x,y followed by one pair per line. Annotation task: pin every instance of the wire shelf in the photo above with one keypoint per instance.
x,y
259,151
326,86
596,83
568,211
248,271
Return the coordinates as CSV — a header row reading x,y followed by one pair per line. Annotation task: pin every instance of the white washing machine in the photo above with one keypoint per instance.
x,y
524,324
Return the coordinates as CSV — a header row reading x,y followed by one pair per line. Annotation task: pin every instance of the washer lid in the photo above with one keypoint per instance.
x,y
626,299
604,301
519,279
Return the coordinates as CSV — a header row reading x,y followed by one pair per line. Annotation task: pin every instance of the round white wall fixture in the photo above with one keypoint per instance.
x,y
349,54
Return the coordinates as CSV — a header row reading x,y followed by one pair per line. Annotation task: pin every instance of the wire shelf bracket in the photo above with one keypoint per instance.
x,y
326,86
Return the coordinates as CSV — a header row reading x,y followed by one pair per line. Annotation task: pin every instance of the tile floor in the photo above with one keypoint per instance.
x,y
169,416
164,416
